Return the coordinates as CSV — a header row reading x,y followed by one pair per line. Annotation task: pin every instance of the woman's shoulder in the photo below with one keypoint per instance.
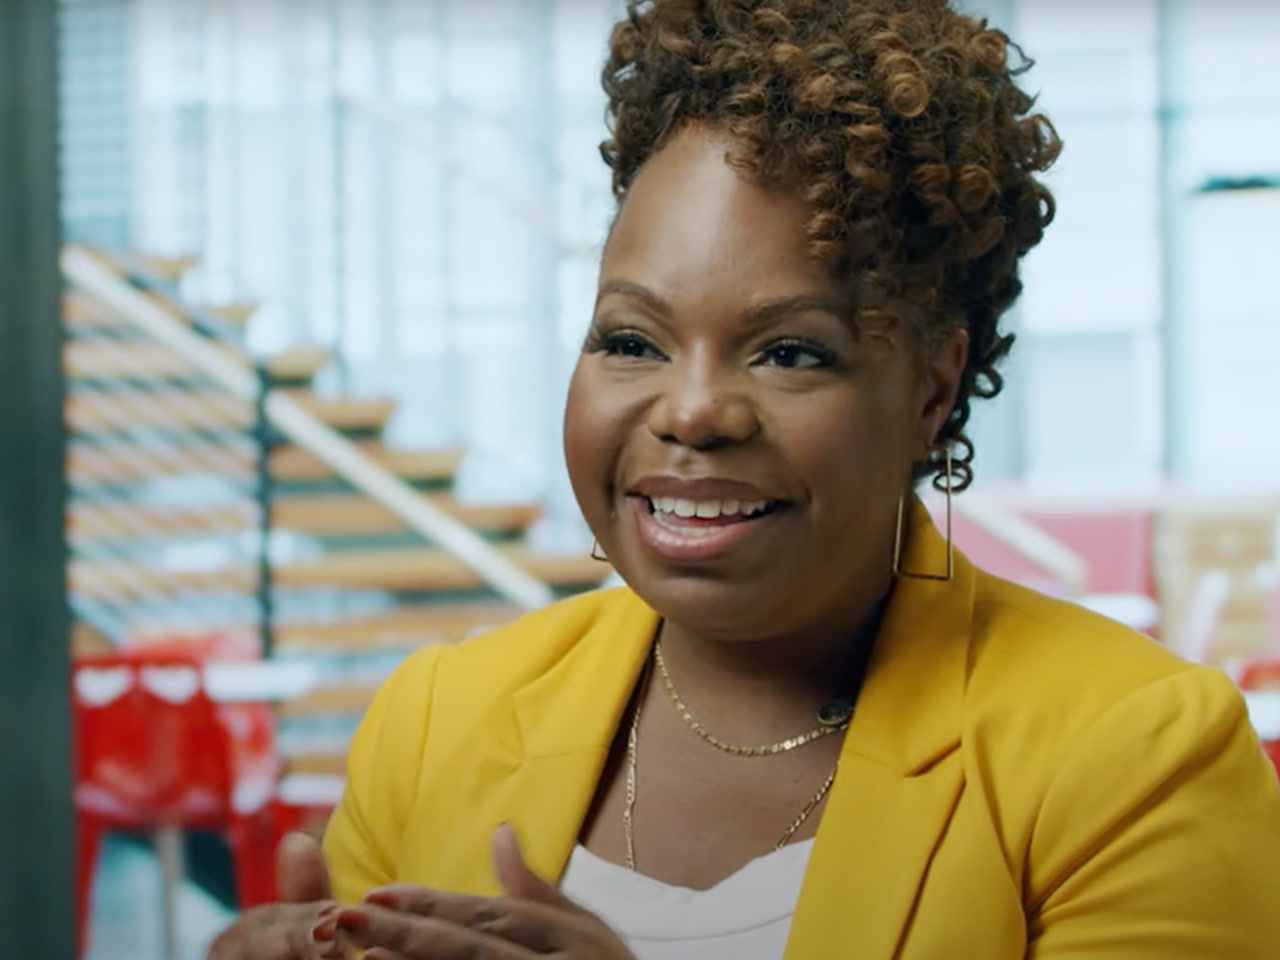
x,y
1021,630
1051,669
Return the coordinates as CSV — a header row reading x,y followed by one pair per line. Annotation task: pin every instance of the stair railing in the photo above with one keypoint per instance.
x,y
87,272
1025,538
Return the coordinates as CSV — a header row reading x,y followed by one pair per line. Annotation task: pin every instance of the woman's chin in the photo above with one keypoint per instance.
x,y
714,606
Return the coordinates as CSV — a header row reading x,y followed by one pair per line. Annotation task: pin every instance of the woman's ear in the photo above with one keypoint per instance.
x,y
943,373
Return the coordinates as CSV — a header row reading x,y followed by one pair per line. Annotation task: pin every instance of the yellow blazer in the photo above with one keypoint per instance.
x,y
1022,778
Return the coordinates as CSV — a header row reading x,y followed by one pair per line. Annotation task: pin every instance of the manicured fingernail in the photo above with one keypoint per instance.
x,y
325,930
353,921
382,898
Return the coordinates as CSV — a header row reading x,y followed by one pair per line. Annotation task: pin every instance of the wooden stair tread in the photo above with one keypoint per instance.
x,y
401,628
315,763
355,514
91,520
298,363
235,314
189,409
169,268
86,641
121,582
337,699
317,514
200,409
414,569
91,464
143,361
366,414
295,465
82,311
395,569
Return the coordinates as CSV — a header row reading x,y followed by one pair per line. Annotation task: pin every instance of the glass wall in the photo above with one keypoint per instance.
x,y
417,184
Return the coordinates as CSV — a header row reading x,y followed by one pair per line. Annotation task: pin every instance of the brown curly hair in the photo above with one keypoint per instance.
x,y
899,122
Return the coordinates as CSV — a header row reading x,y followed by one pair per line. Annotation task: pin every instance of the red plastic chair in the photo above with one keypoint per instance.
x,y
155,754
1263,676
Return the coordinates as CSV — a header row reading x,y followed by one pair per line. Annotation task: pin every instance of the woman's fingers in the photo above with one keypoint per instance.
x,y
302,876
281,932
417,937
537,926
516,876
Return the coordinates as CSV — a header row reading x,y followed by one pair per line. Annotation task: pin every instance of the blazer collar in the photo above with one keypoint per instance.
x,y
909,710
578,703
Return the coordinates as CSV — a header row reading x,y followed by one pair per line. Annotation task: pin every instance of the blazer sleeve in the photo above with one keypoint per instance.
x,y
1160,835
383,767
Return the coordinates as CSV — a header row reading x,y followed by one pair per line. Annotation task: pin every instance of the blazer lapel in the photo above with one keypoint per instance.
x,y
900,772
567,719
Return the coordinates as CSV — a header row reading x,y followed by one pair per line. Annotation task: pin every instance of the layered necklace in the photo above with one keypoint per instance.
x,y
833,717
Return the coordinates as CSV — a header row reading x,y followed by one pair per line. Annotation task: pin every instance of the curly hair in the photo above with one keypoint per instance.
x,y
899,122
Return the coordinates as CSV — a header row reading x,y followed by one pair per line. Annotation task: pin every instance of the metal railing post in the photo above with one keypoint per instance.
x,y
262,437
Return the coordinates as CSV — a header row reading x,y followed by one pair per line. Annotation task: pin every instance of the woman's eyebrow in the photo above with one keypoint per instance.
x,y
774,310
634,291
759,315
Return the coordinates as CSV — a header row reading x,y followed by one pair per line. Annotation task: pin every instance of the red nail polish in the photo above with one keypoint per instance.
x,y
382,898
326,929
353,921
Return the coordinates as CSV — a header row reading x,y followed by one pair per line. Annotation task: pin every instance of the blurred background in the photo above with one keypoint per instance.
x,y
327,268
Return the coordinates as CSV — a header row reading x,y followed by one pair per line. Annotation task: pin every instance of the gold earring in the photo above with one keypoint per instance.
x,y
897,540
597,553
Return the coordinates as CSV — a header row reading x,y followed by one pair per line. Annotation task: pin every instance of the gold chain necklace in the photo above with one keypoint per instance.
x,y
628,809
834,717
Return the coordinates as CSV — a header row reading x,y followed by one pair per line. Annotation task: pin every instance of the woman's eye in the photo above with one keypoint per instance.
x,y
795,356
626,344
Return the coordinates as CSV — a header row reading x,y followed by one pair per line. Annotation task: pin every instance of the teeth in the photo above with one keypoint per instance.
x,y
707,509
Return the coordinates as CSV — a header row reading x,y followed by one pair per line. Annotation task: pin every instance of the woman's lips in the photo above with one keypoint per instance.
x,y
670,529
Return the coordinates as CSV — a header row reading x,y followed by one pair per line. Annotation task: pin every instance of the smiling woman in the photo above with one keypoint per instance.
x,y
806,727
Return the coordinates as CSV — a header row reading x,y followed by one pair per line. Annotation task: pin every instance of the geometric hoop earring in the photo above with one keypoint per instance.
x,y
899,534
597,553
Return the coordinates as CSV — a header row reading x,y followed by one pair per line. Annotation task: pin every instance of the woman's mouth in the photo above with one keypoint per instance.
x,y
681,514
682,530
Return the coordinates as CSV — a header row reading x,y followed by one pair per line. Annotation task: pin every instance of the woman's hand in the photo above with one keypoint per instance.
x,y
302,926
534,919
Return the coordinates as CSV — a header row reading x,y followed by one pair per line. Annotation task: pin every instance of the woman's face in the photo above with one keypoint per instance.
x,y
736,447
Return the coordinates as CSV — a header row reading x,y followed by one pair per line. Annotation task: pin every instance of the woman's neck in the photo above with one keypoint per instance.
x,y
775,681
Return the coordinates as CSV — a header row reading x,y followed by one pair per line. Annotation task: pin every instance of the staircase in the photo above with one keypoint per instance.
x,y
192,513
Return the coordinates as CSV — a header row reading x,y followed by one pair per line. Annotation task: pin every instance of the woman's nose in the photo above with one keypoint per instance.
x,y
702,407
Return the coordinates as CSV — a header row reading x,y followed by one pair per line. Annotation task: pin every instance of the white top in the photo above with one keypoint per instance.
x,y
744,917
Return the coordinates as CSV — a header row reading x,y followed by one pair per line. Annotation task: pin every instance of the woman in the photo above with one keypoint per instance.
x,y
807,728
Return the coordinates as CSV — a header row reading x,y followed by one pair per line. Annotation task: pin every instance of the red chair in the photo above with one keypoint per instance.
x,y
155,754
1263,676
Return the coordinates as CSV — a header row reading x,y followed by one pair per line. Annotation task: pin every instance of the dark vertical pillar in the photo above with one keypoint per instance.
x,y
36,822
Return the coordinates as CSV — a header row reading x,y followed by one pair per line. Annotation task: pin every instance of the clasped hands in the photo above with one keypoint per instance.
x,y
533,919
